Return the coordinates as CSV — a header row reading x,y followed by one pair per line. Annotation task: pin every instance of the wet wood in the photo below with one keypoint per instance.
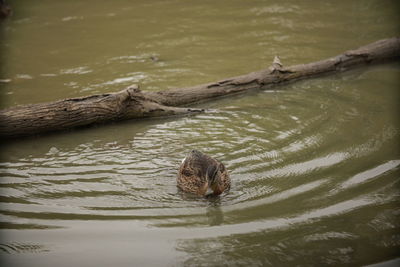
x,y
133,103
71,113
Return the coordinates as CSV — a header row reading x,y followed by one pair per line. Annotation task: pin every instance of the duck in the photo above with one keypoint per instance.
x,y
202,175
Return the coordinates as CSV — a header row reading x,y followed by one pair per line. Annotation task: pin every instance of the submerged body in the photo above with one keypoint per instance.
x,y
199,174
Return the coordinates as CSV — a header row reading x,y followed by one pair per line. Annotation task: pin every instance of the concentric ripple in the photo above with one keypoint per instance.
x,y
294,160
280,148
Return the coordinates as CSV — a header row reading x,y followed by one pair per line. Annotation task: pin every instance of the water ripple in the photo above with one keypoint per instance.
x,y
277,157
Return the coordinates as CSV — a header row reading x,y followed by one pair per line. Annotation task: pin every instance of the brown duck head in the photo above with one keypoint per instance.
x,y
199,173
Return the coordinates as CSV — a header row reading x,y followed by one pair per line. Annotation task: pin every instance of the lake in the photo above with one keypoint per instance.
x,y
315,164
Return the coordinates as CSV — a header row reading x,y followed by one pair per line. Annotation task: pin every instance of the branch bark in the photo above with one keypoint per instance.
x,y
132,103
70,113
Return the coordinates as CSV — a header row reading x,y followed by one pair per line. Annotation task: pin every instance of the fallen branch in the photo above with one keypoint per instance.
x,y
71,113
377,52
133,103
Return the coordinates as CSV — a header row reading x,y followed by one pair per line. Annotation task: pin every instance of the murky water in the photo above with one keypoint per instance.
x,y
315,165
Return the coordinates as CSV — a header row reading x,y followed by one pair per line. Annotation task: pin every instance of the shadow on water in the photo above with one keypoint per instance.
x,y
214,213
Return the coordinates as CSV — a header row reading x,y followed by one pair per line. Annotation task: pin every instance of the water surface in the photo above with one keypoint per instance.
x,y
314,164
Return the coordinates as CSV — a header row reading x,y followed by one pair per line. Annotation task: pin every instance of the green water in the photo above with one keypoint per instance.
x,y
314,165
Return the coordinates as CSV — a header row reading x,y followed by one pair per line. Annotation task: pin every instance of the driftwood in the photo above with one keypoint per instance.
x,y
133,103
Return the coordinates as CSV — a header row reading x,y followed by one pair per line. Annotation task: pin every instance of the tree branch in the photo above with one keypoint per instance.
x,y
133,103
